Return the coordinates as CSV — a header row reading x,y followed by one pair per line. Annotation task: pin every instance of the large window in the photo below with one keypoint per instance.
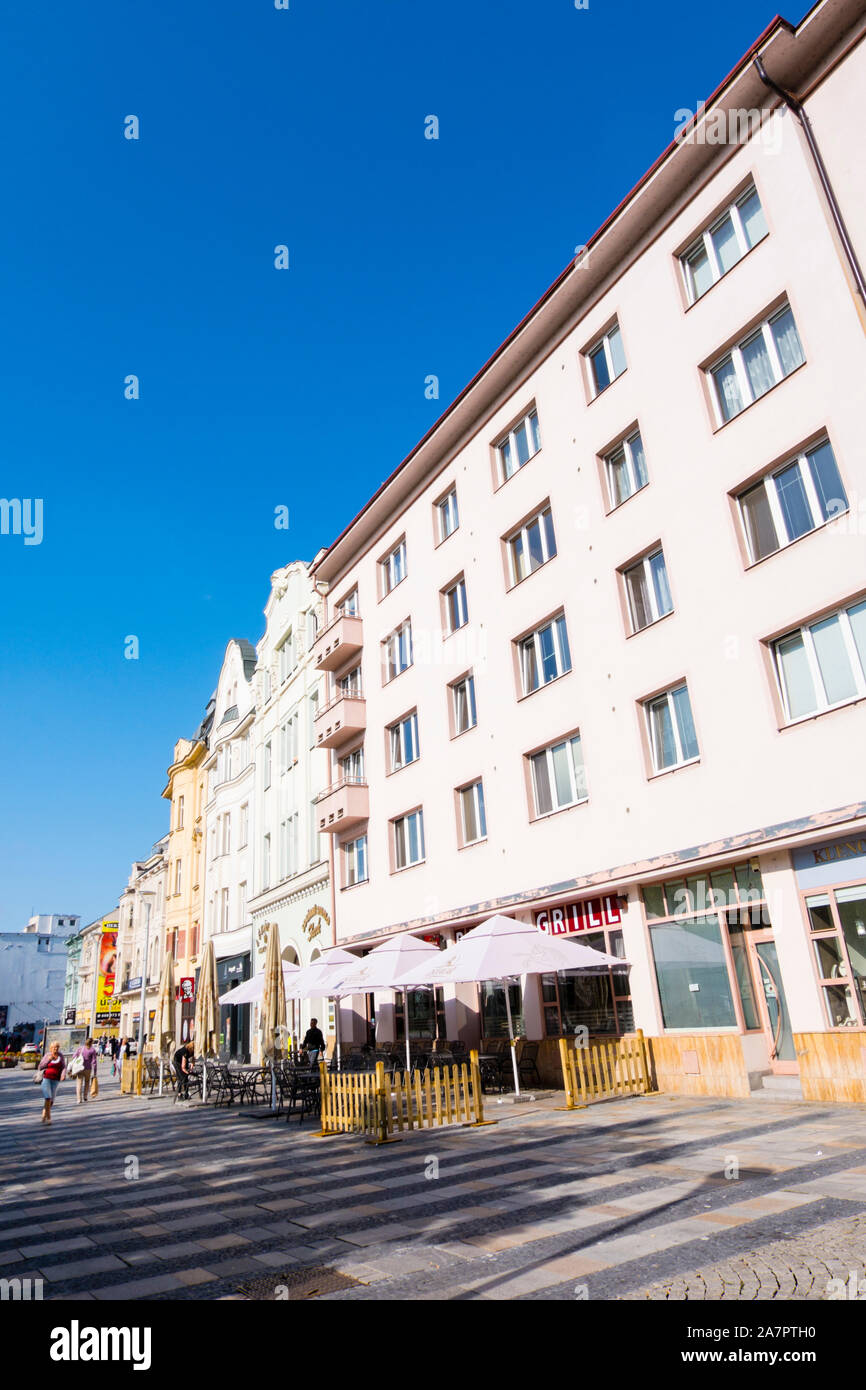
x,y
518,446
647,590
558,776
769,354
447,515
494,1016
544,655
606,360
791,501
403,741
599,1003
408,839
823,664
625,468
725,242
531,546
348,607
352,767
288,660
672,736
837,919
397,651
349,685
464,712
473,819
456,608
355,861
393,567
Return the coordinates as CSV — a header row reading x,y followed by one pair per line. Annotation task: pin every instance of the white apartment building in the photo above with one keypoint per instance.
x,y
292,881
609,616
228,828
140,941
33,970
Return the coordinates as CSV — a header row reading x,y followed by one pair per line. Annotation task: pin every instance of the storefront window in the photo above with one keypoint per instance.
x,y
837,920
738,888
692,974
426,1014
743,975
494,1019
600,1003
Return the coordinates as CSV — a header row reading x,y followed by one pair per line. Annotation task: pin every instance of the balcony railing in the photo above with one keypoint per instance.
x,y
343,804
338,642
341,718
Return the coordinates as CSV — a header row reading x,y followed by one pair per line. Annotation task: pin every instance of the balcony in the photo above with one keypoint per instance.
x,y
338,642
344,717
342,806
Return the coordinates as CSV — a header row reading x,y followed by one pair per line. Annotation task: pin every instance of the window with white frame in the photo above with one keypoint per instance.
x,y
397,651
606,360
625,469
393,567
447,515
267,765
266,862
355,861
349,685
763,359
531,546
403,741
792,500
823,664
408,839
544,655
224,910
352,766
289,741
473,819
519,446
226,845
178,875
289,861
180,813
242,903
558,776
312,623
348,607
313,708
647,590
721,245
287,656
456,608
463,697
315,837
671,729
266,685
244,829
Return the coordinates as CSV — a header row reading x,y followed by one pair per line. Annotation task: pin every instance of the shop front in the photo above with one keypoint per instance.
x,y
831,880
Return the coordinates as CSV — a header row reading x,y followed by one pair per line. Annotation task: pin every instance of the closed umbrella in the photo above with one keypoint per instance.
x,y
273,1012
385,967
207,1012
163,1023
503,949
318,979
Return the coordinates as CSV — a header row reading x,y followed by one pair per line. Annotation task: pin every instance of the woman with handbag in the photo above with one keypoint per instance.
x,y
50,1072
83,1067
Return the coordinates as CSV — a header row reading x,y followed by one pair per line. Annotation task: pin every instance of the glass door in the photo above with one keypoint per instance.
x,y
773,1004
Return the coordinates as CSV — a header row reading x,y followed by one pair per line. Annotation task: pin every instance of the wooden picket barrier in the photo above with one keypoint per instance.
x,y
376,1105
130,1081
602,1070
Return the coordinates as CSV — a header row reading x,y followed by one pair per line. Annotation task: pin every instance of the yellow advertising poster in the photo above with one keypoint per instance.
x,y
107,1006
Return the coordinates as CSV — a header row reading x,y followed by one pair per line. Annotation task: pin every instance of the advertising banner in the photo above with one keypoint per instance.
x,y
107,1006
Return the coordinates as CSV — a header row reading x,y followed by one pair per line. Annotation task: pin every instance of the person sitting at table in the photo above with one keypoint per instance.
x,y
314,1042
183,1060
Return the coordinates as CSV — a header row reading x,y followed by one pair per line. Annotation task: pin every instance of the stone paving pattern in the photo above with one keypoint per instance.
x,y
629,1199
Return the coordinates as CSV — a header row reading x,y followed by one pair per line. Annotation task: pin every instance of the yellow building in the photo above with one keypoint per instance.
x,y
185,790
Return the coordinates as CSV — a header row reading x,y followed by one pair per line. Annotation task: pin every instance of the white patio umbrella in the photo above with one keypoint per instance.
x,y
252,990
385,967
319,978
503,949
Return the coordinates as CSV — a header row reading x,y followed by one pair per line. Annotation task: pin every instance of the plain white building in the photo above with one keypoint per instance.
x,y
33,970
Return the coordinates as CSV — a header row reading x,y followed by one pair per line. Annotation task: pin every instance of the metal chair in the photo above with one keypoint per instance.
x,y
528,1063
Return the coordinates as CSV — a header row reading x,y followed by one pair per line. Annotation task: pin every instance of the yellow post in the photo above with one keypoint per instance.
x,y
379,1110
477,1098
569,1078
139,1068
325,1095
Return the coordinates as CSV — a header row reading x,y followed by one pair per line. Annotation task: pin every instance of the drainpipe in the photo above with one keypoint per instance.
x,y
835,211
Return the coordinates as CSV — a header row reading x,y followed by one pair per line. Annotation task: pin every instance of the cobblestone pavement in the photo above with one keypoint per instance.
x,y
651,1198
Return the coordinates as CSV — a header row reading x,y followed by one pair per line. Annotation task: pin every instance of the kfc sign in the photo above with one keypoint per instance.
x,y
590,915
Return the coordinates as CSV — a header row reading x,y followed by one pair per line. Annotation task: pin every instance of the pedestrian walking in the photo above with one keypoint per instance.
x,y
50,1072
314,1042
85,1073
184,1060
115,1056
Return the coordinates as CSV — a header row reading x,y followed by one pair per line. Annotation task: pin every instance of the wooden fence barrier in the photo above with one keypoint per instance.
x,y
130,1078
604,1069
376,1105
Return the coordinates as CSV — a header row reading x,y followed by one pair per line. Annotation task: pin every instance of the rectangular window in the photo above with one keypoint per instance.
x,y
350,684
313,710
625,468
465,713
267,766
242,903
348,607
692,974
397,651
558,776
180,813
224,910
315,837
544,655
287,658
266,685
245,824
795,499
403,741
226,847
755,365
352,767
393,567
673,740
647,590
448,518
518,446
355,861
837,919
473,820
178,873
531,546
725,242
266,862
606,360
823,664
409,840
456,609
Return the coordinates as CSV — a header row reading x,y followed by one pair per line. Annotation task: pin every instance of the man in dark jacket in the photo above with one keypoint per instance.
x,y
314,1041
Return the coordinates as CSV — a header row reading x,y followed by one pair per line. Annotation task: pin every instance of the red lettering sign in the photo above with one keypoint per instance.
x,y
589,915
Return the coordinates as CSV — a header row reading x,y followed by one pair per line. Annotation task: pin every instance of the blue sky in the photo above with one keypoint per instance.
x,y
408,257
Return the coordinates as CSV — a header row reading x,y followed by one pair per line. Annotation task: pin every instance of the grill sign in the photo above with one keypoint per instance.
x,y
590,915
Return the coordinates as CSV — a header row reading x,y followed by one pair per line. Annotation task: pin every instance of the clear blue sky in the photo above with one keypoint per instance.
x,y
408,257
